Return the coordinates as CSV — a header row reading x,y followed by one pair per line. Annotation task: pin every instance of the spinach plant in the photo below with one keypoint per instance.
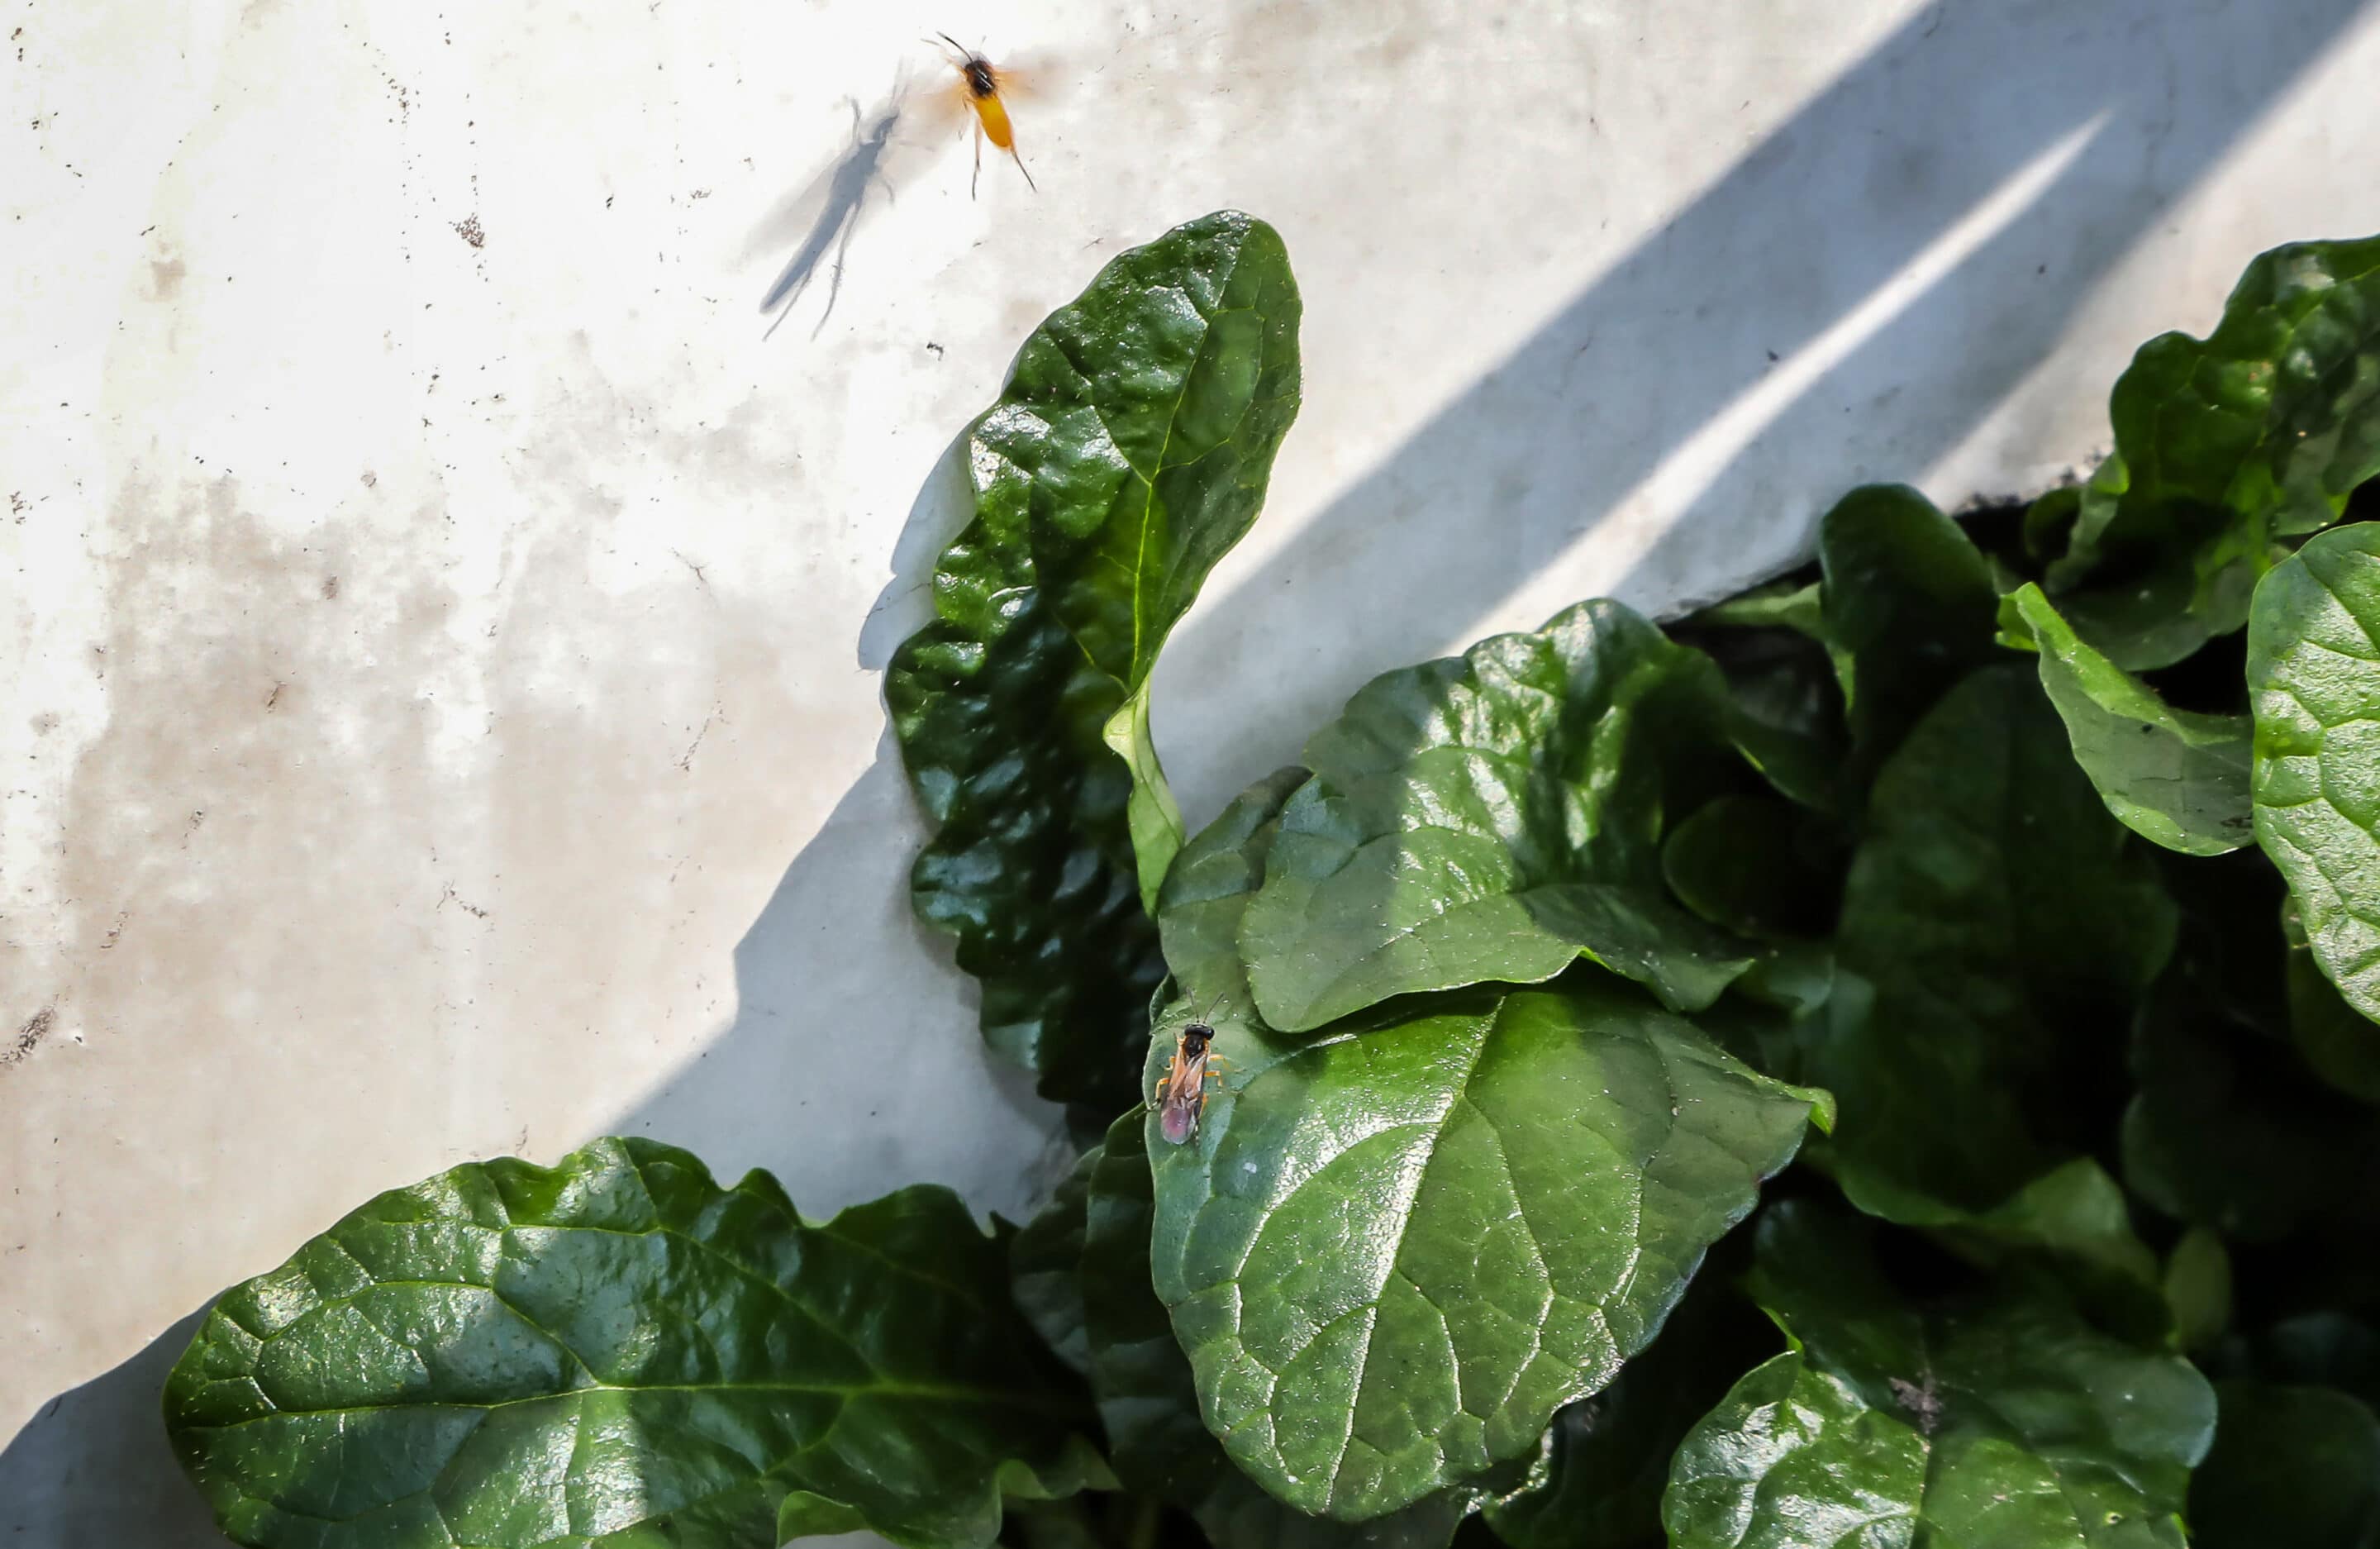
x,y
1887,1059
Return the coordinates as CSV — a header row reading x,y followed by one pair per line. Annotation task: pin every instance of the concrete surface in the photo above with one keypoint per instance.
x,y
439,643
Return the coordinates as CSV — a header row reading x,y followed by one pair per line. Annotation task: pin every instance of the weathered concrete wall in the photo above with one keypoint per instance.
x,y
441,633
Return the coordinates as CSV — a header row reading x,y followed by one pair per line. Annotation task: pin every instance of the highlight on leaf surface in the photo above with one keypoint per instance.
x,y
1998,1418
2177,778
1394,1252
2313,675
618,1350
1128,452
2224,446
1494,817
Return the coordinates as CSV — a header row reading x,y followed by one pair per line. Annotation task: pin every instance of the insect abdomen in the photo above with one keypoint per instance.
x,y
995,122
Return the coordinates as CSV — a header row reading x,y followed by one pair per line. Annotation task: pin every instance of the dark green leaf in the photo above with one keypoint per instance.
x,y
2174,776
1237,1515
1909,600
1787,681
1996,1423
1127,454
2230,1131
2320,1349
2291,1466
1788,605
1604,1463
1044,1265
2049,519
2163,615
1757,866
618,1349
2259,431
1394,1253
2339,1043
1996,926
1493,818
1139,1375
2314,677
2198,1288
2071,1227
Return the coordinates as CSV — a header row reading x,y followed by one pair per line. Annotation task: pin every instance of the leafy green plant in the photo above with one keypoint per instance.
x,y
1987,913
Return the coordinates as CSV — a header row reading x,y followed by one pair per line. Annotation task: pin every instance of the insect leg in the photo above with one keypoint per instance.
x,y
1018,157
977,175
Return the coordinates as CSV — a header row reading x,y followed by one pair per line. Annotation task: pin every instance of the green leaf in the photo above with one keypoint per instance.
x,y
1599,1473
2069,1227
1150,1402
616,1349
2176,777
2003,1421
2313,679
1139,1375
1786,605
1908,600
1044,1261
2294,1466
2198,1288
1206,893
1996,926
2230,1131
1394,1253
1787,682
2340,1043
1759,867
2259,431
1128,452
1493,818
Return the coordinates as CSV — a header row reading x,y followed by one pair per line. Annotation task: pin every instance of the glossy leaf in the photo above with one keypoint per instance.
x,y
2177,778
2259,431
1597,1480
1149,1403
1996,926
1493,818
1128,452
1393,1253
2313,680
2292,1465
1909,602
618,1350
1998,1424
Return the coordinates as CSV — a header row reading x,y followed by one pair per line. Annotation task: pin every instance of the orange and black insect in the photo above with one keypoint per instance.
x,y
980,87
1182,1092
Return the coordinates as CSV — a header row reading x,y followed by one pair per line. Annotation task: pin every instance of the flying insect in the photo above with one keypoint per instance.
x,y
982,89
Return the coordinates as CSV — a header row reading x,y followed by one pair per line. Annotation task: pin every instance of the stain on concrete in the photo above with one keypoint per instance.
x,y
29,1035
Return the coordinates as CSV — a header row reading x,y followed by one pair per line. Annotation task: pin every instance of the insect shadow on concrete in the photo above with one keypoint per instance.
x,y
841,193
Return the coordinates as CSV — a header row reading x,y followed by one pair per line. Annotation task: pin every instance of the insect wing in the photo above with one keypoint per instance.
x,y
1185,1095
